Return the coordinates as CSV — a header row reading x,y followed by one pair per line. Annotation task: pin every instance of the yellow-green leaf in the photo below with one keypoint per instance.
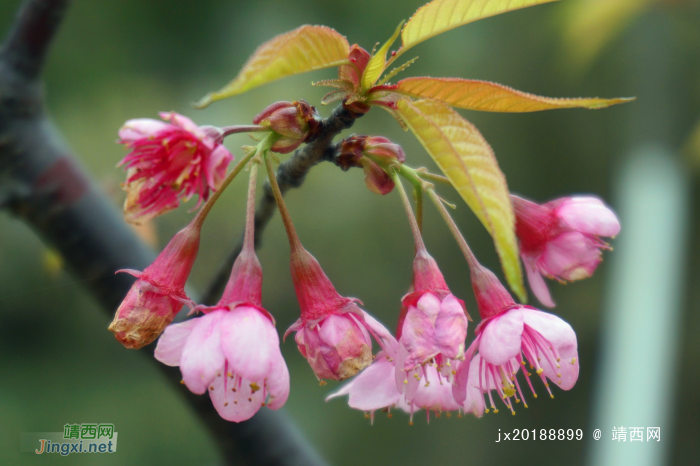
x,y
468,161
491,97
377,64
440,16
304,49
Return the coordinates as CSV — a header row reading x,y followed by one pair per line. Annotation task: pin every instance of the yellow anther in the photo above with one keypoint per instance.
x,y
486,411
539,371
517,400
558,359
495,411
513,413
535,395
573,361
524,405
454,372
254,387
551,396
405,381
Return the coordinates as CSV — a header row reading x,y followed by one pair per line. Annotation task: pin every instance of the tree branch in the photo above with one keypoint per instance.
x,y
42,184
290,174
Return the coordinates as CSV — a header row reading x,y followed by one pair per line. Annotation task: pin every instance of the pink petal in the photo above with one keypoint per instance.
x,y
589,215
563,338
216,165
183,122
474,401
388,342
249,342
501,338
436,395
463,372
451,328
234,398
278,382
374,388
571,255
202,358
172,341
139,128
538,285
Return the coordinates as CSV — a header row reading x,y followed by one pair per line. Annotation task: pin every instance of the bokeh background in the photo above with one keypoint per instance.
x,y
123,59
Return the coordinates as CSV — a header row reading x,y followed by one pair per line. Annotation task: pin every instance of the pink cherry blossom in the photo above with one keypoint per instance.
x,y
432,327
561,239
170,161
505,342
159,292
232,354
333,333
375,389
232,351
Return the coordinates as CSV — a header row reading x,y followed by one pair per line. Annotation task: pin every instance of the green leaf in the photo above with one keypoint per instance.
x,y
307,48
377,64
468,161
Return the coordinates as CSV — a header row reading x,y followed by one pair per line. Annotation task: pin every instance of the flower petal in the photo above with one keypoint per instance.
x,y
451,328
501,338
202,358
278,382
374,388
138,128
249,342
538,285
589,215
172,341
571,255
235,399
216,165
563,338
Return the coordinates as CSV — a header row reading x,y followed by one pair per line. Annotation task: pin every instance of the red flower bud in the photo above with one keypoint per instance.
x,y
296,122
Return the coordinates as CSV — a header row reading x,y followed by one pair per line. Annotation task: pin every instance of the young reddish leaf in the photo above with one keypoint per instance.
x,y
304,49
468,161
491,97
440,16
377,63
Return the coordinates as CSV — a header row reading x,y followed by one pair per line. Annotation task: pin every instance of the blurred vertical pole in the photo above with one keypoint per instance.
x,y
640,326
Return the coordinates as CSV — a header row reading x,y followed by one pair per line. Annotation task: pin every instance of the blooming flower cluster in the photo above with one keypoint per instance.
x,y
231,350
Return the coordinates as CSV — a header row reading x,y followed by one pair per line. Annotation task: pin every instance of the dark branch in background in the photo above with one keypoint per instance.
x,y
290,174
42,184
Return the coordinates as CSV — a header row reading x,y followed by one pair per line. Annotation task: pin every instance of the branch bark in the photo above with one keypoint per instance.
x,y
42,184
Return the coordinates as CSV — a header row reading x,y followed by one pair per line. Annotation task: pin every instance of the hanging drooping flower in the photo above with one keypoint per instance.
x,y
333,333
232,351
432,326
170,161
561,239
510,336
159,292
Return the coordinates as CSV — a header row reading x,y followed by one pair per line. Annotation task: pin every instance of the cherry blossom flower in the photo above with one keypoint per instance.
x,y
333,332
170,161
510,336
561,239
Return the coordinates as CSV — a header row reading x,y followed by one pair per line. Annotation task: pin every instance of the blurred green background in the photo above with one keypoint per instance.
x,y
124,59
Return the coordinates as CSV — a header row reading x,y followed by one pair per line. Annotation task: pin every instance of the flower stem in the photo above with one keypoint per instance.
x,y
415,229
265,144
249,235
466,250
228,130
418,198
294,242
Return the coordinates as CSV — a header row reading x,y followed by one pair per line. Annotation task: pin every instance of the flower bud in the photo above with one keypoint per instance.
x,y
159,292
374,154
352,72
296,122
